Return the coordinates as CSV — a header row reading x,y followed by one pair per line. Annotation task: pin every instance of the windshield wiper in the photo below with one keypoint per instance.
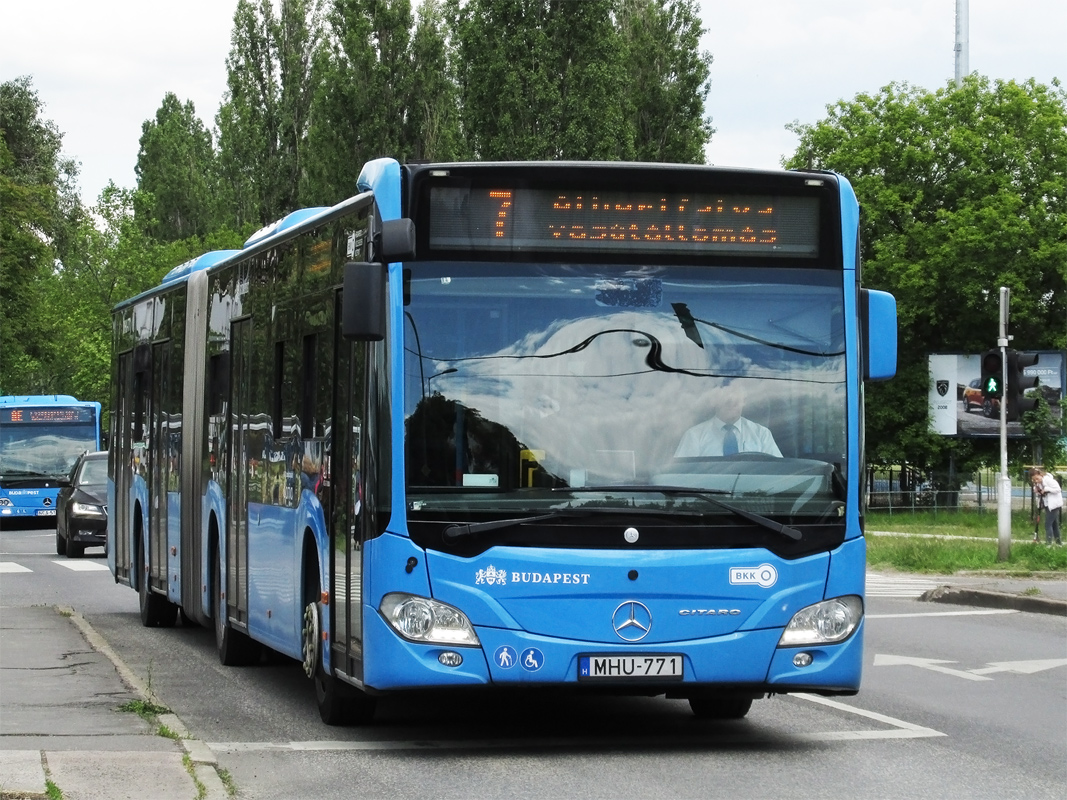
x,y
459,530
702,494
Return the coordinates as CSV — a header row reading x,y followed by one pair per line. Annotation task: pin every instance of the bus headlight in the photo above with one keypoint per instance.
x,y
823,623
423,620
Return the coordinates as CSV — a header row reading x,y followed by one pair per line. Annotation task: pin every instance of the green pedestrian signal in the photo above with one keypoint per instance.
x,y
992,374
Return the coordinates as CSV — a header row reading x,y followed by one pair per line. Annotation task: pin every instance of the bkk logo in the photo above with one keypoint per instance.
x,y
765,575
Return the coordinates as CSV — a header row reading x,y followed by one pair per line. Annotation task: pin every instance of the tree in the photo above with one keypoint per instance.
x,y
263,121
40,212
963,191
432,130
668,79
174,173
540,79
119,260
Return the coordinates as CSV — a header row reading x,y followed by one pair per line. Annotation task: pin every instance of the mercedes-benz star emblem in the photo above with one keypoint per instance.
x,y
632,621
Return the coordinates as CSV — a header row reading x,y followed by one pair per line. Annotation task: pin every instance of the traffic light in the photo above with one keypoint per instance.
x,y
1018,383
992,374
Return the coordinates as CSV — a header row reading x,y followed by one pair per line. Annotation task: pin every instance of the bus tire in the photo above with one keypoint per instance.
x,y
338,703
236,649
720,705
156,610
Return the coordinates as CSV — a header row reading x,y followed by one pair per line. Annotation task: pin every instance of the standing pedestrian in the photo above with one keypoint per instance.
x,y
1052,501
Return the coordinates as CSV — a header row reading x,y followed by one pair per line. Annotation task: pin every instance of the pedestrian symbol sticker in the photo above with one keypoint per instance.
x,y
505,656
532,659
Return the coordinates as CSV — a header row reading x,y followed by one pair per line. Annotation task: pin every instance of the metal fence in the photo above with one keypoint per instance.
x,y
975,496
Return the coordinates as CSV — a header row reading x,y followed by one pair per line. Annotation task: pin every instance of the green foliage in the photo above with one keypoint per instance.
x,y
963,191
600,79
40,212
263,121
945,556
668,79
174,170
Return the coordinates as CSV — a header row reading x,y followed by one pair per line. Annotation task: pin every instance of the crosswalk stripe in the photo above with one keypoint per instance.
x,y
892,586
82,566
11,566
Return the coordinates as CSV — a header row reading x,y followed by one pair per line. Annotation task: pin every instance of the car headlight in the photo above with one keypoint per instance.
x,y
87,510
824,623
423,620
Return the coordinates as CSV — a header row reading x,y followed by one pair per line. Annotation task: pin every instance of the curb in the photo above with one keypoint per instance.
x,y
203,759
987,599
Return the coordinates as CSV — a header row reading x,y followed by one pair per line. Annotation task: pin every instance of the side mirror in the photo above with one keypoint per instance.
x,y
878,312
363,302
397,242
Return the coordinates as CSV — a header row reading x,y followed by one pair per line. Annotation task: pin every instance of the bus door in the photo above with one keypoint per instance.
x,y
156,453
122,460
349,517
237,483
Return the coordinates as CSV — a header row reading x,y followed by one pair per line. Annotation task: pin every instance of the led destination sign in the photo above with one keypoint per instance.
x,y
56,415
463,218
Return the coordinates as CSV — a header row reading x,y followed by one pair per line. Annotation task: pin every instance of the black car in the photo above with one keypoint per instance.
x,y
81,507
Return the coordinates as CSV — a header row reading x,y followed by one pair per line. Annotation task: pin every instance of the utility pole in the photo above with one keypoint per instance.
x,y
962,47
1003,480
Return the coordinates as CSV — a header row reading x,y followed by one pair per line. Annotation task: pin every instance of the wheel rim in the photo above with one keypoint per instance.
x,y
311,639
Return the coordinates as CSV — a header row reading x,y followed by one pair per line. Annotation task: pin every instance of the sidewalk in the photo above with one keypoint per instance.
x,y
60,690
1041,593
61,686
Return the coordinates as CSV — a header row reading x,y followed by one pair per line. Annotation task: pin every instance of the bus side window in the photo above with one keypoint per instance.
x,y
218,383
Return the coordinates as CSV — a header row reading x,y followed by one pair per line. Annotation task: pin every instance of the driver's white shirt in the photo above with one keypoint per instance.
x,y
705,439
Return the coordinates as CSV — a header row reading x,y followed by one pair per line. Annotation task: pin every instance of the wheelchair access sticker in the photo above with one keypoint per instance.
x,y
765,575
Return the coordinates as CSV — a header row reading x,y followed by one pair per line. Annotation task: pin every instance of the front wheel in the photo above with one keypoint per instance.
x,y
724,705
61,544
74,550
338,703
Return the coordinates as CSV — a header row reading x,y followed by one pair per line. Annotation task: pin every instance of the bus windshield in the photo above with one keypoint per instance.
x,y
49,449
538,387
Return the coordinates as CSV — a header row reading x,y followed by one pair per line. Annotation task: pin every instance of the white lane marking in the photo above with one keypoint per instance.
x,y
82,566
899,730
12,567
918,730
984,612
1022,667
932,664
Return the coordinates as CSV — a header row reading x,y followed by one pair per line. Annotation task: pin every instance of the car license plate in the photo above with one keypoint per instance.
x,y
629,667
46,512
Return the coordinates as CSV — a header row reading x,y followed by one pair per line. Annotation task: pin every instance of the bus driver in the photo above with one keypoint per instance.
x,y
727,432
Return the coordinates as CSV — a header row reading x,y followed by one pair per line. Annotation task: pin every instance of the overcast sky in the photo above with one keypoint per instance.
x,y
101,67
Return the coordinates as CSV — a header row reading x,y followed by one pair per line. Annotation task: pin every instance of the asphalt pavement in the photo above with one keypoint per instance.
x,y
63,688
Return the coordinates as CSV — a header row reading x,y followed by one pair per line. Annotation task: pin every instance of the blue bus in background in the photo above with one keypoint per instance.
x,y
40,438
582,426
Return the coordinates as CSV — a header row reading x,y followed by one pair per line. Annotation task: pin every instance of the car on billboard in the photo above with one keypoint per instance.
x,y
973,398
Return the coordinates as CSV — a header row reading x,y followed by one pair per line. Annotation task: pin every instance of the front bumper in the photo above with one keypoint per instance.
x,y
87,531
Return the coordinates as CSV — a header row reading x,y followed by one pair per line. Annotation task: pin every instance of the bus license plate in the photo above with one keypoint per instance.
x,y
624,667
46,512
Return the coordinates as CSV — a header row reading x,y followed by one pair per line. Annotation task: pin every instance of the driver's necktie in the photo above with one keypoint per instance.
x,y
729,440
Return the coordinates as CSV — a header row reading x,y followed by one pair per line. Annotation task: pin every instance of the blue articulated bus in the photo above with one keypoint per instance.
x,y
41,436
586,426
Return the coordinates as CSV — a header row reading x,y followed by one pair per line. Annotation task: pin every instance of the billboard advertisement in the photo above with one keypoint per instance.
x,y
957,407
